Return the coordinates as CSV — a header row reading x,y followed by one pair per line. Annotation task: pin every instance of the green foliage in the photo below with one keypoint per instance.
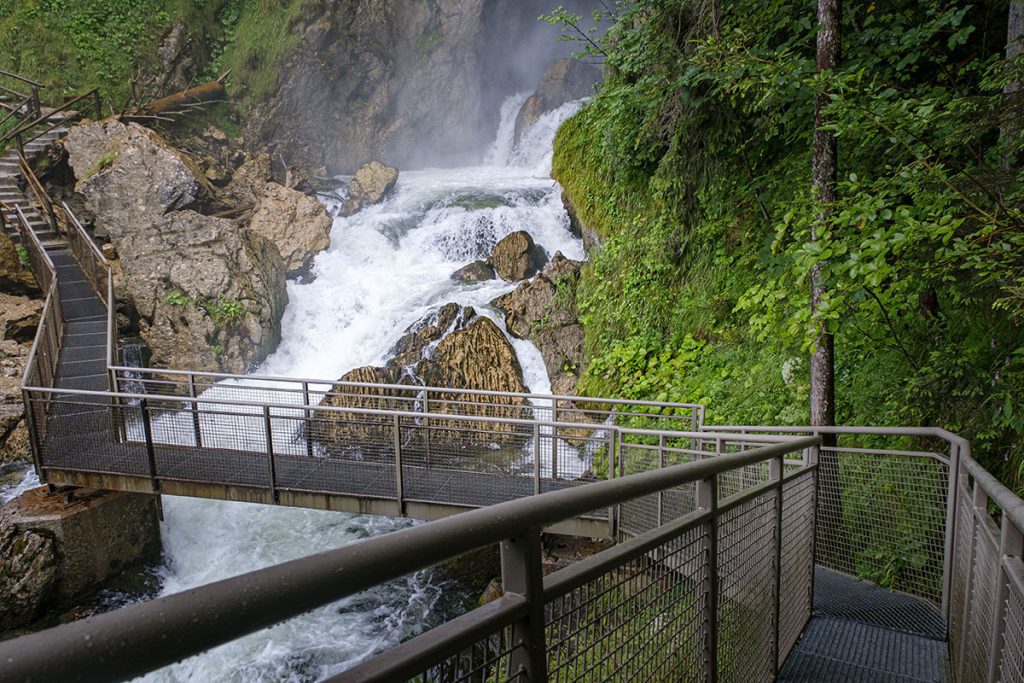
x,y
693,166
102,163
26,262
223,310
176,297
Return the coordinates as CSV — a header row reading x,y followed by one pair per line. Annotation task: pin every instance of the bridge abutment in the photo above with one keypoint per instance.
x,y
94,534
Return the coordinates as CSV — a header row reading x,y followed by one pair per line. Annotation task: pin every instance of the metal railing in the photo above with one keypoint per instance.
x,y
706,596
41,120
38,191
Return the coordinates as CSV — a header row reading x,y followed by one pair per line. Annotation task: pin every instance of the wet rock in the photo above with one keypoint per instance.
x,y
591,240
477,271
296,223
19,317
563,81
419,340
544,311
371,185
14,277
517,257
472,354
28,573
209,293
130,176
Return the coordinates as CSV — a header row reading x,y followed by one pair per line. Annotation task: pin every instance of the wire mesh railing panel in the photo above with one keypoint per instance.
x,y
746,590
797,557
641,620
882,518
1011,669
488,660
981,601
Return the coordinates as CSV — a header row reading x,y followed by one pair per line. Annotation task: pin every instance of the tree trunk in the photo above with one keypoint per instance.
x,y
1010,129
834,548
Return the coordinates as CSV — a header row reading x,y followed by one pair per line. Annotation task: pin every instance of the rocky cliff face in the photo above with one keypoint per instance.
x,y
408,82
206,293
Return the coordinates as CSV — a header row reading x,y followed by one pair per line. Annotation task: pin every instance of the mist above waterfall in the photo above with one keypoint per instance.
x,y
414,84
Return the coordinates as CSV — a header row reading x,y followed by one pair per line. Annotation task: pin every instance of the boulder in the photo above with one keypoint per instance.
x,y
19,317
28,573
209,294
130,176
15,278
248,181
477,271
544,311
563,81
420,339
296,223
370,185
517,257
472,353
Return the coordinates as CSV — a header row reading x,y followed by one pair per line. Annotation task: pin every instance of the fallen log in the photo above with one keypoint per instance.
x,y
206,93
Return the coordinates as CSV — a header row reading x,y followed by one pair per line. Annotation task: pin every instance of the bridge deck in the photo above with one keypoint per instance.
x,y
858,632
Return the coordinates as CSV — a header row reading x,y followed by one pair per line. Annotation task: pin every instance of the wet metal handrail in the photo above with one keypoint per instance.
x,y
143,637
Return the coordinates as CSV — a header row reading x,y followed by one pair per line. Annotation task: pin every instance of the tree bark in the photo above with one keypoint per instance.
x,y
833,545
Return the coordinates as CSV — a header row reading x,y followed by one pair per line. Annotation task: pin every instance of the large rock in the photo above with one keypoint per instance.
x,y
28,574
517,257
370,185
248,180
544,311
296,223
130,176
477,271
14,277
409,81
19,317
209,294
563,81
472,353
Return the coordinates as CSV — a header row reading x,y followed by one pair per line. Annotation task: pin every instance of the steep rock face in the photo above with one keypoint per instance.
x,y
296,223
543,310
209,293
28,572
563,81
406,81
130,176
19,316
517,257
14,277
14,445
452,347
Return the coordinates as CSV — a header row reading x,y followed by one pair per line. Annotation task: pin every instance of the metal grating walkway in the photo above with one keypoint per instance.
x,y
865,634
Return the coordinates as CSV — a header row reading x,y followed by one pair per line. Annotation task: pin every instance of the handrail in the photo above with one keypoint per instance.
x,y
13,113
143,637
41,195
44,117
16,77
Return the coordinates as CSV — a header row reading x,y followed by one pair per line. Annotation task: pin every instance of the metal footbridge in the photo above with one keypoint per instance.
x,y
736,555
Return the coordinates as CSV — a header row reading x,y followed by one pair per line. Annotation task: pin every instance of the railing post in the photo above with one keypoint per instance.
x,y
952,496
661,466
33,436
554,439
269,436
536,459
195,410
147,431
1011,545
98,103
426,424
707,499
613,526
775,471
37,108
399,487
521,574
308,415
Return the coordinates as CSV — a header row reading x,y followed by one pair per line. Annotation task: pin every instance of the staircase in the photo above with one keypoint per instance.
x,y
12,195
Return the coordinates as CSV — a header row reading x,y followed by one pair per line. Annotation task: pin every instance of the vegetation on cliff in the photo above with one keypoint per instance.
x,y
693,164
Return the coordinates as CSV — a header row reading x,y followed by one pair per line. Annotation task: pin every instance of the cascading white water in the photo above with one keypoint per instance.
x,y
386,268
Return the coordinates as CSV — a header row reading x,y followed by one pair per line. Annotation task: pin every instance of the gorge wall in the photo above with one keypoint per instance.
x,y
411,83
